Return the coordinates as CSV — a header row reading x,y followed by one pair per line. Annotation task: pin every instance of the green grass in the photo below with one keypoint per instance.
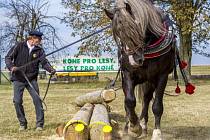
x,y
200,70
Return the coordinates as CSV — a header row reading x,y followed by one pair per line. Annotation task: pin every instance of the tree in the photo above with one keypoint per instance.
x,y
192,21
190,16
86,17
24,16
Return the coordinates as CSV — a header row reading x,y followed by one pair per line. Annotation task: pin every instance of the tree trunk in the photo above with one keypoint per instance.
x,y
184,16
186,50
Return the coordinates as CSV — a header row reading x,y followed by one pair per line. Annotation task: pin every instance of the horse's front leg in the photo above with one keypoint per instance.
x,y
157,106
148,90
134,128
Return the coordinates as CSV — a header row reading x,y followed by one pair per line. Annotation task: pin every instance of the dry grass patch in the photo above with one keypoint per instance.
x,y
185,117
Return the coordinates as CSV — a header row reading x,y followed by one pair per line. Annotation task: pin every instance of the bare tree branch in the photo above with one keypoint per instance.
x,y
27,15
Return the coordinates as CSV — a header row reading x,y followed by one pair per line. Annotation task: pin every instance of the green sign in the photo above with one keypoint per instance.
x,y
87,64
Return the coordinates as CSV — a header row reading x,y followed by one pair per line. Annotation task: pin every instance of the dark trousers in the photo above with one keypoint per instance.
x,y
18,102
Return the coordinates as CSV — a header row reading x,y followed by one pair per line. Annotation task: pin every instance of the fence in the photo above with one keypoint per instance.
x,y
4,75
101,75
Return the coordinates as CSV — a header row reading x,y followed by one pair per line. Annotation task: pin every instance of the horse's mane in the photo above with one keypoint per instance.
x,y
131,27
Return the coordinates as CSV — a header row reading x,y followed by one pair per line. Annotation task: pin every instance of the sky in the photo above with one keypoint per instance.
x,y
56,9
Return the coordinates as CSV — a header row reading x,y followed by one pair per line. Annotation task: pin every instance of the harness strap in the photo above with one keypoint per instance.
x,y
164,44
157,54
157,42
112,83
161,39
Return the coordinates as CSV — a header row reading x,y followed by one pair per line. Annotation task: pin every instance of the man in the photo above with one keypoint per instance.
x,y
22,53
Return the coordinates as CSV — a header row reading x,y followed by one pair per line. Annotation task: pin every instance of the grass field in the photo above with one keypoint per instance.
x,y
185,117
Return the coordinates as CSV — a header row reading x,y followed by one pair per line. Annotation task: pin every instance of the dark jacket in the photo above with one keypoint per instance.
x,y
19,55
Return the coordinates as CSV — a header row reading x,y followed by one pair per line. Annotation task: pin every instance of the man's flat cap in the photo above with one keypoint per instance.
x,y
36,33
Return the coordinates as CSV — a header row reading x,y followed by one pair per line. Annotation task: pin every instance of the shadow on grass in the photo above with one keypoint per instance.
x,y
117,117
118,127
169,133
187,133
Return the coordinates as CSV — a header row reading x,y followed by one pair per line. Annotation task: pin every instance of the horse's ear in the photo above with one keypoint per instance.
x,y
109,13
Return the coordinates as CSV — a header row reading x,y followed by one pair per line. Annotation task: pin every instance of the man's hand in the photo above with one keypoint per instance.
x,y
53,71
13,69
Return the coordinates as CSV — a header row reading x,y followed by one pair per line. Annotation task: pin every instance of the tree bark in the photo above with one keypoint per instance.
x,y
184,16
99,120
82,117
186,50
96,97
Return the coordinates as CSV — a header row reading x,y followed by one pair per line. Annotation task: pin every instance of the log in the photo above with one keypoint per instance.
x,y
96,97
107,132
77,127
100,128
59,130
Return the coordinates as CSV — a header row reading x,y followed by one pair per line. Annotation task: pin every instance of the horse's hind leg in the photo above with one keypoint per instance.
x,y
157,106
148,90
134,127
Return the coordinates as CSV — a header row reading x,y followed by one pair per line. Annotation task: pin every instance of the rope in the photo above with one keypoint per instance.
x,y
113,82
42,100
86,37
31,62
182,70
48,85
5,77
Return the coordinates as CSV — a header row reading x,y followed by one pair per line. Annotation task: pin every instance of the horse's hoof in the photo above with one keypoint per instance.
x,y
144,134
134,130
144,128
156,134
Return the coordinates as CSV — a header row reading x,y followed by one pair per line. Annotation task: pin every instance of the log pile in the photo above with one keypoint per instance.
x,y
92,120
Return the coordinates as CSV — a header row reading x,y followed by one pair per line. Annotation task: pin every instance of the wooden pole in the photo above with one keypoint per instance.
x,y
96,97
77,127
100,128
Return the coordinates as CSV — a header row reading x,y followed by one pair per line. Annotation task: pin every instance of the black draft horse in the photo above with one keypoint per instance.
x,y
147,57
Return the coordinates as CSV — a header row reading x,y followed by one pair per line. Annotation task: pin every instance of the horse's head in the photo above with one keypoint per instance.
x,y
130,21
126,33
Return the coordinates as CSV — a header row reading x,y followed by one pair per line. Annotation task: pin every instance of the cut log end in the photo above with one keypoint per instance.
x,y
100,132
107,129
108,95
76,131
79,128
